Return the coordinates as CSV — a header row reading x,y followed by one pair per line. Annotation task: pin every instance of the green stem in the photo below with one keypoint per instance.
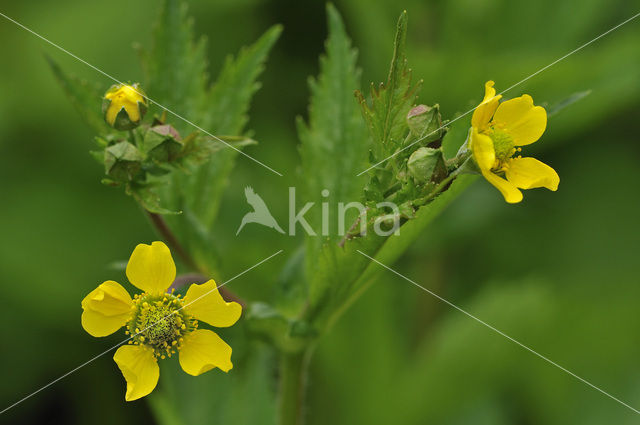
x,y
293,377
461,168
443,184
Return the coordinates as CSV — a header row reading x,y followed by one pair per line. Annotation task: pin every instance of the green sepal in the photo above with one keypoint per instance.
x,y
155,169
425,124
427,164
162,144
108,139
109,182
122,161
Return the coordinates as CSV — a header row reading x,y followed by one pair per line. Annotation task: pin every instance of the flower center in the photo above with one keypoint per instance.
x,y
159,322
502,144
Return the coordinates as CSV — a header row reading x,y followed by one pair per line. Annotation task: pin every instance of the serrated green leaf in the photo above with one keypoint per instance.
x,y
334,144
176,66
177,78
200,188
84,96
230,96
226,108
391,101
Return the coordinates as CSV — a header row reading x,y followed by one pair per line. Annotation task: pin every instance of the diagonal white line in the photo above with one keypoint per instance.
x,y
133,336
499,332
504,91
142,94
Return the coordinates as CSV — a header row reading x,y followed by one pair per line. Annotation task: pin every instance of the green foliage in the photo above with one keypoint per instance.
x,y
391,102
393,337
339,272
399,129
220,108
334,144
176,66
344,273
83,95
164,171
333,149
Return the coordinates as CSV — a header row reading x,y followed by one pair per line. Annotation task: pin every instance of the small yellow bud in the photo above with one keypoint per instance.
x,y
124,106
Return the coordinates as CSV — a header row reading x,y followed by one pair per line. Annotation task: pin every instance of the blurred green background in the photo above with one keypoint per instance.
x,y
558,272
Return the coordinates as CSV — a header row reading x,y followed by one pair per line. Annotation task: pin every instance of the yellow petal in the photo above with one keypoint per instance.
x,y
106,309
489,91
139,368
527,173
112,113
483,113
151,268
510,192
205,303
521,120
202,350
482,149
133,111
127,97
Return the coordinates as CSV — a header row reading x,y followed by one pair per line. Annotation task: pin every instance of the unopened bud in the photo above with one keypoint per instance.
x,y
122,161
425,122
426,164
124,106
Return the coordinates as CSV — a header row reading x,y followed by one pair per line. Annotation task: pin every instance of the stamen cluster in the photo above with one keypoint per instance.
x,y
502,143
160,323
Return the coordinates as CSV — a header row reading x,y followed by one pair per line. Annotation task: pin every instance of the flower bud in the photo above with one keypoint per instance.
x,y
122,161
162,143
124,106
426,164
425,121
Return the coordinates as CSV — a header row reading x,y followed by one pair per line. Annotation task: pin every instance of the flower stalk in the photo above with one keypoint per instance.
x,y
294,368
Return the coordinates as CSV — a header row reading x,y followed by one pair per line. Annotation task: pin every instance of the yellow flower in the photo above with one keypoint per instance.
x,y
498,130
124,106
160,323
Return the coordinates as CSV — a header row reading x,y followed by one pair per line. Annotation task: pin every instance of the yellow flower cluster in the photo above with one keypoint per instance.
x,y
159,322
498,129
